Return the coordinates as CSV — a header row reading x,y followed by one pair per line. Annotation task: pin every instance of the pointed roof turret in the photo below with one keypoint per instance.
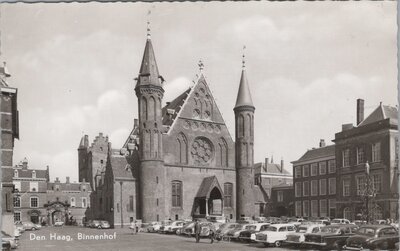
x,y
148,74
244,96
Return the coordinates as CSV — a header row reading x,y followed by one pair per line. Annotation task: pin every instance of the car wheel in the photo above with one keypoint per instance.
x,y
337,246
99,227
278,243
33,229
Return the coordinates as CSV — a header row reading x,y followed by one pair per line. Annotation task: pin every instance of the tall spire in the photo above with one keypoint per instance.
x,y
244,96
148,74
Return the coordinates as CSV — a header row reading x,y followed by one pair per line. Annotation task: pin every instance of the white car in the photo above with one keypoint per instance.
x,y
171,229
59,224
298,237
340,221
250,233
275,234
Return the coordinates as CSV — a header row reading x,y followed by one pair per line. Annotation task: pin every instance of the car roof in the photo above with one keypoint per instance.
x,y
377,226
282,225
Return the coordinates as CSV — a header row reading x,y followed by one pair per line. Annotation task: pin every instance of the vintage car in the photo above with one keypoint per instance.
x,y
153,227
164,224
59,223
188,229
12,240
95,224
381,237
234,233
104,224
225,228
297,238
173,227
31,226
330,237
250,233
206,228
340,221
275,234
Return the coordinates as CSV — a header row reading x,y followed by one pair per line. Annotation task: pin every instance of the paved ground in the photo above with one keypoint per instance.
x,y
125,240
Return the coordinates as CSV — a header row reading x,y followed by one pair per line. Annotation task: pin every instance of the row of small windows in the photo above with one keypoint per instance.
x,y
34,202
245,125
319,168
375,185
149,108
315,208
318,187
360,155
16,174
34,186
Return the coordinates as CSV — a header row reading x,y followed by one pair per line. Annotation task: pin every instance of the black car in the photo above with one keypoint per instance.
x,y
381,237
330,237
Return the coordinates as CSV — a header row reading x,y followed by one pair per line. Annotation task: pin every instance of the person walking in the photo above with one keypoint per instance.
x,y
197,230
133,227
212,233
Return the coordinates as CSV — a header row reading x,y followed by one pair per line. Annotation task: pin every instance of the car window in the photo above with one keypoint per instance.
x,y
315,230
388,232
272,229
301,230
290,228
282,229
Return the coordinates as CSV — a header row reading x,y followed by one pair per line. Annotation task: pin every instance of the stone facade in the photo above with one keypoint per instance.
x,y
179,160
367,156
9,132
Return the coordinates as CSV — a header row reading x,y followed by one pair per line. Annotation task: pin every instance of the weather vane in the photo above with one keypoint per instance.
x,y
243,57
201,65
148,24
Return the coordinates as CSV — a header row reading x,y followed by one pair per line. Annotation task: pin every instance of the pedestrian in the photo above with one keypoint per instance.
x,y
197,230
212,233
133,227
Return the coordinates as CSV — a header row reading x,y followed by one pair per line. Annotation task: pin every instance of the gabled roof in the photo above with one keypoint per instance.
x,y
68,186
271,168
207,186
171,110
326,151
380,113
121,167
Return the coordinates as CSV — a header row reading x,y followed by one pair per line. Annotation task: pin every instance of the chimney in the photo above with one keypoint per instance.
x,y
282,165
135,123
322,143
25,163
360,110
346,127
67,180
266,164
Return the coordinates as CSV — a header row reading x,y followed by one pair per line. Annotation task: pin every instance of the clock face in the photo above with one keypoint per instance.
x,y
202,151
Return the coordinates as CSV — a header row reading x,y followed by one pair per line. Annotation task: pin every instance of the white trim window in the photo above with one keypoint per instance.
x,y
360,155
306,208
314,169
377,182
376,152
322,168
322,187
297,172
298,208
306,171
360,185
346,187
306,188
17,216
297,189
332,166
346,157
73,202
34,202
332,186
323,212
314,208
314,187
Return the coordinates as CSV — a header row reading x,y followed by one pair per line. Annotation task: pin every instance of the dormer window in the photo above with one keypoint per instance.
x,y
16,173
34,174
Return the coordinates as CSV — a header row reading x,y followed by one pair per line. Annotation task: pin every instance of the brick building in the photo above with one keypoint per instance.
x,y
314,179
9,132
282,200
38,200
373,140
180,161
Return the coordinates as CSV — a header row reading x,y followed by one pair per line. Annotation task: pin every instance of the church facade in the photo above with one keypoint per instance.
x,y
180,160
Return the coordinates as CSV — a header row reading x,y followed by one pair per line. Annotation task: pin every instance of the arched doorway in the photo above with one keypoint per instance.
x,y
209,199
57,211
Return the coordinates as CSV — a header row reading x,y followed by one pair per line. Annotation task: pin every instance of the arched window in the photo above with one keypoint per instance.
x,y
144,107
152,108
176,193
182,151
223,152
73,202
16,173
347,213
34,174
228,193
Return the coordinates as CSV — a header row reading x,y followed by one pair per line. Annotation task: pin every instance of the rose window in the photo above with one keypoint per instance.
x,y
202,151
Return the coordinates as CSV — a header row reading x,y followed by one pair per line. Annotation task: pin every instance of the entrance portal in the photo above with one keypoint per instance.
x,y
209,199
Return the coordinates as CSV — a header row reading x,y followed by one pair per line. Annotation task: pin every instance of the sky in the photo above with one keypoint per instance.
x,y
307,63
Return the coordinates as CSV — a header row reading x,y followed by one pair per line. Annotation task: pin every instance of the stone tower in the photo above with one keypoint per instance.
x,y
244,145
152,173
82,158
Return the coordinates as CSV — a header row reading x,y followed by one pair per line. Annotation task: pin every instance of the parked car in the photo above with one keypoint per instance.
x,y
173,227
381,237
104,224
12,240
295,221
340,221
19,226
380,222
153,227
330,237
234,233
6,246
275,234
248,235
259,219
188,229
95,224
359,222
59,224
31,226
298,238
87,223
205,229
225,228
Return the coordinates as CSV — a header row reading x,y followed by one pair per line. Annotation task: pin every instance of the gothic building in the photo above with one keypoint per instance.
x,y
180,160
